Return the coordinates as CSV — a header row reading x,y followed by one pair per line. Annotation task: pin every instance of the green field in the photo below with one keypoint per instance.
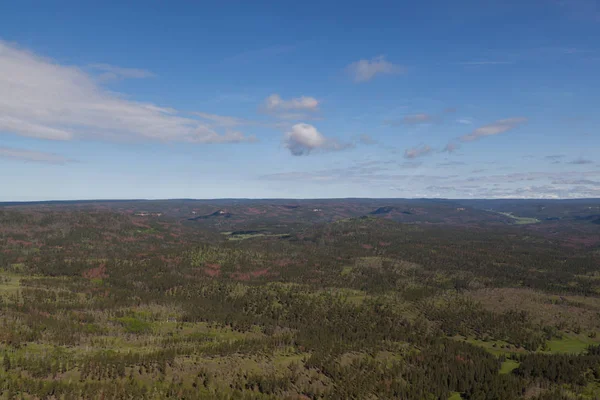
x,y
520,220
570,344
508,366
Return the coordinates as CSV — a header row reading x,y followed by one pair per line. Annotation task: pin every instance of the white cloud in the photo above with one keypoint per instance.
x,y
298,108
224,120
417,151
34,156
495,128
43,99
302,139
31,129
365,70
274,103
465,121
111,72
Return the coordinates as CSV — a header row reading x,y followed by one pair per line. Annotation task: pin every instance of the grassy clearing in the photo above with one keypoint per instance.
x,y
9,283
346,271
521,220
570,343
284,360
244,236
455,396
508,366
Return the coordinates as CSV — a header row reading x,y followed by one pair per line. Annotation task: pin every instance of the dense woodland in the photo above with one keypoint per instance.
x,y
352,299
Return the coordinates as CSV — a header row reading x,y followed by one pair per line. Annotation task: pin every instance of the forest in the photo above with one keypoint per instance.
x,y
308,299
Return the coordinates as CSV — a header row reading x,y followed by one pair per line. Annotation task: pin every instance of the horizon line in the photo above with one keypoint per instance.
x,y
24,202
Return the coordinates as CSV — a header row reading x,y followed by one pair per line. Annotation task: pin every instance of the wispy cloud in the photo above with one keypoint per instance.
x,y
298,108
366,139
111,72
410,164
480,63
477,184
581,9
581,161
304,103
414,119
224,120
44,99
450,148
417,151
364,70
576,182
494,128
302,139
450,163
465,121
258,55
33,156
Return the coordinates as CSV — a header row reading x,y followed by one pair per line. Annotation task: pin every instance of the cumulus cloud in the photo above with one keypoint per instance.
x,y
43,99
417,119
494,128
32,156
417,151
302,139
365,70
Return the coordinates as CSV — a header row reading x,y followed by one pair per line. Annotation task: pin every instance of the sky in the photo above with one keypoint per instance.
x,y
311,99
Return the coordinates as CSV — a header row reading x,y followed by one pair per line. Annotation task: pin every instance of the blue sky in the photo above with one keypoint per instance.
x,y
488,99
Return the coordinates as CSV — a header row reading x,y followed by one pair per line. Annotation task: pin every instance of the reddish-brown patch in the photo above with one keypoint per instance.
x,y
259,272
21,242
212,270
240,276
366,246
254,211
385,243
462,359
98,272
140,224
283,262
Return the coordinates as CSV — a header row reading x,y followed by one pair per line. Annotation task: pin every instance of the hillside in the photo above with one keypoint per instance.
x,y
306,299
